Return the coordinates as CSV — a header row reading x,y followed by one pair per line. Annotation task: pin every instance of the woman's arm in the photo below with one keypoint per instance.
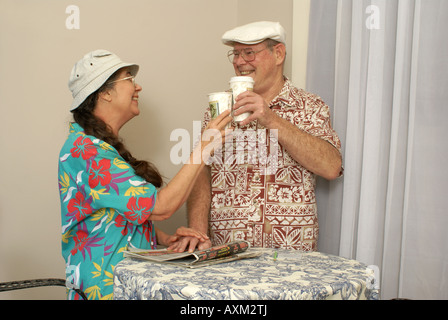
x,y
175,193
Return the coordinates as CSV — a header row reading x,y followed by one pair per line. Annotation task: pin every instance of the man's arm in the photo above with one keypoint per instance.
x,y
198,208
198,203
313,153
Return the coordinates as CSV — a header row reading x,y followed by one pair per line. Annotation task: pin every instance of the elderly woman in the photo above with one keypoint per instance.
x,y
108,198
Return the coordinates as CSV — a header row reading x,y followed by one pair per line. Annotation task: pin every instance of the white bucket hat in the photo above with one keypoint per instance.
x,y
254,33
92,71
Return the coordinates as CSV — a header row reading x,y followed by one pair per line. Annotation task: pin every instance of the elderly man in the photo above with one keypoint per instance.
x,y
242,201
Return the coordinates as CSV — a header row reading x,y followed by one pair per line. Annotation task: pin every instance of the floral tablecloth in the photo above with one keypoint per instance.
x,y
291,276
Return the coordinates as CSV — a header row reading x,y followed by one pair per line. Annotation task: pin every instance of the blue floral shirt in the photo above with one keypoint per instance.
x,y
105,207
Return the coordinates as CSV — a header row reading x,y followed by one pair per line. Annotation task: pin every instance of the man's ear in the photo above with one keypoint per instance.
x,y
280,53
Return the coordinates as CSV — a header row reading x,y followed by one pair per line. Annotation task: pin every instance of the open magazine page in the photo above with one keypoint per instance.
x,y
217,254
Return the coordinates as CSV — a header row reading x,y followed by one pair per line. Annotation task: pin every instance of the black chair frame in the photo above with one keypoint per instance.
x,y
25,284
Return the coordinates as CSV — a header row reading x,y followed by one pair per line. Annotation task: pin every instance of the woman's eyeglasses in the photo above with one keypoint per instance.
x,y
127,78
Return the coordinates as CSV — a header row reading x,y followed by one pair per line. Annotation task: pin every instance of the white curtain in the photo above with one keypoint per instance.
x,y
382,67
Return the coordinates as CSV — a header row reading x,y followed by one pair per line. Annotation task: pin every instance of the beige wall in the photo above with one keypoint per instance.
x,y
177,44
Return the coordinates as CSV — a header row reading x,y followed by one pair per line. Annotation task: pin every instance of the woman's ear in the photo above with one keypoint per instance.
x,y
105,95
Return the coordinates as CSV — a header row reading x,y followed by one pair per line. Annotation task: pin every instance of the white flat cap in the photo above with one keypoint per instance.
x,y
255,32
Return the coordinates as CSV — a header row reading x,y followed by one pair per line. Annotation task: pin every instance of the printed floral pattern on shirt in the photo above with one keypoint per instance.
x,y
105,207
259,192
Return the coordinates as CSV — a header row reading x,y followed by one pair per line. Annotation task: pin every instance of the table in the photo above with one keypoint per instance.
x,y
292,276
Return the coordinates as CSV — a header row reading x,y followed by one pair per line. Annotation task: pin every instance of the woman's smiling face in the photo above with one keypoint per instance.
x,y
126,95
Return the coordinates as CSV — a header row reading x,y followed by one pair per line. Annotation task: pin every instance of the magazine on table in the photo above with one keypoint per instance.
x,y
217,254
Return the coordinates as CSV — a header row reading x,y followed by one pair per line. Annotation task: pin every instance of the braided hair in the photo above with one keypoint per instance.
x,y
94,126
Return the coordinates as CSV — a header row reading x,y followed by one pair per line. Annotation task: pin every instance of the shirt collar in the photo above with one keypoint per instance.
x,y
284,97
75,128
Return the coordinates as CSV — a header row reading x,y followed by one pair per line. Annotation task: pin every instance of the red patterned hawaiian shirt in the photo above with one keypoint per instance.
x,y
259,192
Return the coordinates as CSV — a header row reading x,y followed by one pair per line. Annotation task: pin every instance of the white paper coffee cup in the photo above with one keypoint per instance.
x,y
219,102
239,85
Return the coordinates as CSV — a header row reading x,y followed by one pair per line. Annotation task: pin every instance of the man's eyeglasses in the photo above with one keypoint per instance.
x,y
132,78
247,54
